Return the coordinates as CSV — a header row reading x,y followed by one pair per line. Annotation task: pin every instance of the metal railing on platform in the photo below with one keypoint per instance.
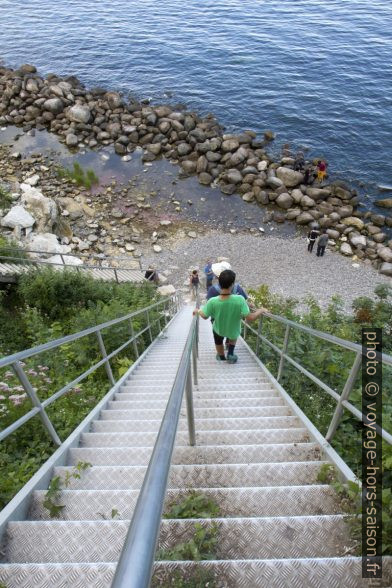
x,y
134,568
118,276
167,307
341,399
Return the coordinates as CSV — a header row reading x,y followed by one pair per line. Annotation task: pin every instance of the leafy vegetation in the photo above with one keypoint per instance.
x,y
5,198
11,249
195,505
53,493
332,365
77,174
201,546
31,314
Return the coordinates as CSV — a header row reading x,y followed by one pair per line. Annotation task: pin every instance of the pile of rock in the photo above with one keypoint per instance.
x,y
235,163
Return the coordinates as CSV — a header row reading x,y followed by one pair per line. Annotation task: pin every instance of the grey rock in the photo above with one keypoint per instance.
x,y
233,176
385,253
71,140
230,145
154,148
386,269
345,249
384,203
304,218
205,178
113,99
284,200
53,105
289,177
379,237
239,156
228,189
378,219
273,182
188,166
358,241
184,149
79,113
307,202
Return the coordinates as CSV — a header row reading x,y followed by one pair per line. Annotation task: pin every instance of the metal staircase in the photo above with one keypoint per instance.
x,y
254,455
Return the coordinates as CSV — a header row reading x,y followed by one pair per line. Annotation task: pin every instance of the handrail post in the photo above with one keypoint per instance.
x,y
115,275
189,408
134,342
149,325
344,396
104,355
36,402
258,339
62,258
283,352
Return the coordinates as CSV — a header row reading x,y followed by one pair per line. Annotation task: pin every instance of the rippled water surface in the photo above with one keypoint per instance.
x,y
319,73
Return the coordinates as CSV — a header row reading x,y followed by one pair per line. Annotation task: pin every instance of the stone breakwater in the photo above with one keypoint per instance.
x,y
235,163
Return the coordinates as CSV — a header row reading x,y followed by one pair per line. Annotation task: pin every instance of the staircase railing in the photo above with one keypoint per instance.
x,y
26,261
167,308
135,565
342,399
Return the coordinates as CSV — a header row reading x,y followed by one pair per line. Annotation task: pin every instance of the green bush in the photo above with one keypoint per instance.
x,y
12,249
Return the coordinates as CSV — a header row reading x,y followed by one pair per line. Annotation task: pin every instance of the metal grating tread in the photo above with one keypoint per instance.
x,y
260,573
233,502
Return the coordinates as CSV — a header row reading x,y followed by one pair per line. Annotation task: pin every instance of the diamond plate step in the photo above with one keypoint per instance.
x,y
123,411
273,573
198,455
196,476
248,538
202,424
202,438
201,402
233,502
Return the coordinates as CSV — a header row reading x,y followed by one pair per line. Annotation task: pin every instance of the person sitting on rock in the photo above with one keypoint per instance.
x,y
227,310
321,170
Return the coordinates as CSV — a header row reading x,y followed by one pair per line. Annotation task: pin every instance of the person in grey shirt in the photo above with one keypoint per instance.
x,y
322,243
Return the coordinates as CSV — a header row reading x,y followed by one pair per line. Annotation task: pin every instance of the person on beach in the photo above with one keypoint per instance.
x,y
209,274
322,243
227,310
312,236
321,170
194,282
151,275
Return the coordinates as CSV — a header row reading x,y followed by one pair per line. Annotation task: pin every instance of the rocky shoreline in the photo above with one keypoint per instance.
x,y
234,163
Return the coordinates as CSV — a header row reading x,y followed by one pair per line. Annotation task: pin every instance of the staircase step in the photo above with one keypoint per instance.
x,y
195,476
161,402
123,411
258,573
128,426
141,439
198,455
248,538
233,502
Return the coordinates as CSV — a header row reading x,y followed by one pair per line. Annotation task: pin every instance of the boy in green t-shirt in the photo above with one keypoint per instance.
x,y
227,310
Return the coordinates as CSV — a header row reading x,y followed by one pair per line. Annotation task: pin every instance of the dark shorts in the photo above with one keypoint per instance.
x,y
218,339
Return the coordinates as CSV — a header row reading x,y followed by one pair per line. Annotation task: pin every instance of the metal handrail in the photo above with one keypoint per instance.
x,y
170,305
341,399
79,254
136,561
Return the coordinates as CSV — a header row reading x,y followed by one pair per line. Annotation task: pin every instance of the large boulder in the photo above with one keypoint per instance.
x,y
53,105
284,200
43,209
46,243
358,241
79,113
18,216
318,193
233,176
239,156
384,202
113,99
345,249
385,253
304,218
353,221
166,290
386,269
68,259
229,145
289,177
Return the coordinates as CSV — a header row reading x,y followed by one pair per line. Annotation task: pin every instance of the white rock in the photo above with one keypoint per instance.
x,y
129,247
165,223
18,216
68,259
192,234
289,177
262,165
157,248
43,209
385,253
32,180
261,230
46,243
166,290
345,249
79,113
